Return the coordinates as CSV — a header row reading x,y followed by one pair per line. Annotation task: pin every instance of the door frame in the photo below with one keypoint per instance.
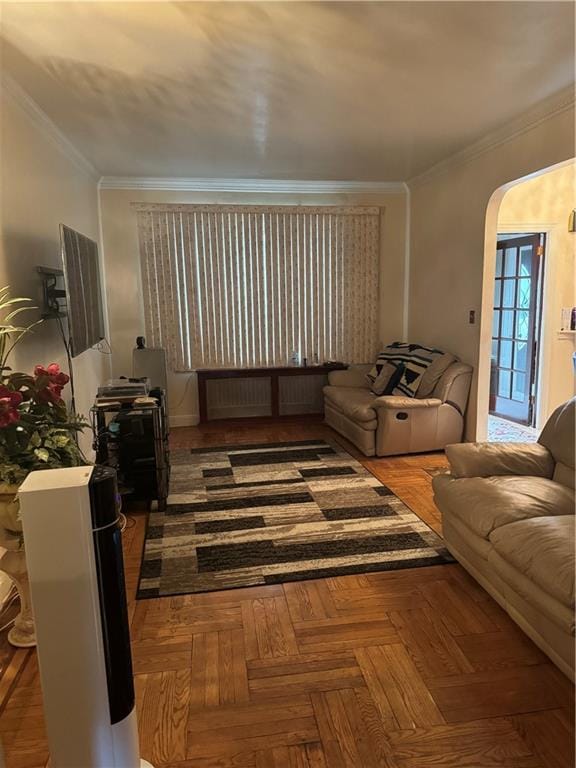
x,y
547,325
537,241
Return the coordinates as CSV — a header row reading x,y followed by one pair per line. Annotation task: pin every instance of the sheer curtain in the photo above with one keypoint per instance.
x,y
239,286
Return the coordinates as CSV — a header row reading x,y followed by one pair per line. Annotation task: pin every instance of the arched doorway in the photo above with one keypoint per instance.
x,y
525,365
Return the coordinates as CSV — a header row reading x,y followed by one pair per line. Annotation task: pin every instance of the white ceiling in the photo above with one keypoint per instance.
x,y
285,90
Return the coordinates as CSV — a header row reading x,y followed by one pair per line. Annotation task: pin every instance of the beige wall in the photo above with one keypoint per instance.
x,y
543,204
41,187
121,255
454,223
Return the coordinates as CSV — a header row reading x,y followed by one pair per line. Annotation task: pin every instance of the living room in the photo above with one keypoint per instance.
x,y
300,205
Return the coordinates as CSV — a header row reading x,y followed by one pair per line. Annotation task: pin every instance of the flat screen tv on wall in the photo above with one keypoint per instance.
x,y
83,292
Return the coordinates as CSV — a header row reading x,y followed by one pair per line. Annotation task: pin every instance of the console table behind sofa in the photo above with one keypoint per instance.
x,y
206,374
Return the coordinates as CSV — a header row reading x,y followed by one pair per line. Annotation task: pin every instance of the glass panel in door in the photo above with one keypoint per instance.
x,y
514,326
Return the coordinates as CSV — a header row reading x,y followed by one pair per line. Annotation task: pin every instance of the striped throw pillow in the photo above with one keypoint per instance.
x,y
388,378
416,360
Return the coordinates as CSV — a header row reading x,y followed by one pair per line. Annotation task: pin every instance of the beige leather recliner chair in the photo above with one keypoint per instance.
x,y
508,518
390,425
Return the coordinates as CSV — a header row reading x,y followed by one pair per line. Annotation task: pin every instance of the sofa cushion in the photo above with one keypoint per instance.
x,y
353,376
490,459
518,591
486,503
416,359
543,550
409,380
355,402
426,366
434,373
387,379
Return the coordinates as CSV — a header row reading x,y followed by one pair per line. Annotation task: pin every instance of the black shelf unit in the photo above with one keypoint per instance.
x,y
134,440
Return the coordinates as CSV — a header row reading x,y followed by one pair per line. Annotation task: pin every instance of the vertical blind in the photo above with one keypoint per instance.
x,y
237,286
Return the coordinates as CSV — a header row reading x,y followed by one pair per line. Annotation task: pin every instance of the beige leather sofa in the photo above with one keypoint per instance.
x,y
508,517
389,425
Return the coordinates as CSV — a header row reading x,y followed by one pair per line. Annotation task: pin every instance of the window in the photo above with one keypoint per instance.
x,y
246,286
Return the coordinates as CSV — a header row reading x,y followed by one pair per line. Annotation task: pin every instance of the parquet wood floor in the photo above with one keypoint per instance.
x,y
406,669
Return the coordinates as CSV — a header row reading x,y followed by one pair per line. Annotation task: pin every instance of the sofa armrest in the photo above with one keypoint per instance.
x,y
395,402
487,459
355,376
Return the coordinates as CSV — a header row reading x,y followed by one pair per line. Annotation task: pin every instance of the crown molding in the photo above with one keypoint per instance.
x,y
252,185
41,120
556,104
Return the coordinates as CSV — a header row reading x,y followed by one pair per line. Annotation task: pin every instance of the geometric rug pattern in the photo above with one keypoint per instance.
x,y
256,514
504,431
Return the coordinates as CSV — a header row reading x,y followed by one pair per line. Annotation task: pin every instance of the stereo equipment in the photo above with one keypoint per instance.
x,y
124,389
151,363
132,437
74,556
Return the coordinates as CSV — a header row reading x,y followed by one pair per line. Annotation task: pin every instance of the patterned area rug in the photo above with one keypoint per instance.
x,y
245,515
503,431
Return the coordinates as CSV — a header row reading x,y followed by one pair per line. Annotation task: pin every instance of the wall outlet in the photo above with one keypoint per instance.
x,y
472,316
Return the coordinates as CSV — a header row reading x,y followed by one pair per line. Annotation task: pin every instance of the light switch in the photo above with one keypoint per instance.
x,y
472,316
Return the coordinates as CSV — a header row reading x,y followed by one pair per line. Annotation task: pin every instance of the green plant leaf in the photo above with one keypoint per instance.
x,y
42,454
16,312
15,300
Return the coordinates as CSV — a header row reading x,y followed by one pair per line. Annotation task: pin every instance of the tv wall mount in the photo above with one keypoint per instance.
x,y
53,292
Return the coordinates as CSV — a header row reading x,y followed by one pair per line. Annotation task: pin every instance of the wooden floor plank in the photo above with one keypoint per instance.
x,y
335,755
239,667
315,756
378,599
260,668
292,707
280,628
490,694
344,633
283,757
159,655
14,665
480,744
460,615
401,684
369,665
308,600
348,740
251,649
305,682
355,749
148,711
548,735
498,650
269,734
432,648
169,744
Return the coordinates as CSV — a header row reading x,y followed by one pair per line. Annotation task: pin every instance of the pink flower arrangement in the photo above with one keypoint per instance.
x,y
9,402
50,382
37,431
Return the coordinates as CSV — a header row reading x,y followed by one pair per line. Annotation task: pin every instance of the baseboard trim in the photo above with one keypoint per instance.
x,y
239,411
243,411
185,420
